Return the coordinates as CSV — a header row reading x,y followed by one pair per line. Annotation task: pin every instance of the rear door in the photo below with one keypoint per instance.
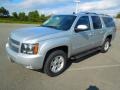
x,y
97,27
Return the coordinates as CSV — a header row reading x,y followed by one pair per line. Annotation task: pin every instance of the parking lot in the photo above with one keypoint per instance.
x,y
94,72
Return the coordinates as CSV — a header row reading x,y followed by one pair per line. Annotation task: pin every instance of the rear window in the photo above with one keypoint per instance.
x,y
108,22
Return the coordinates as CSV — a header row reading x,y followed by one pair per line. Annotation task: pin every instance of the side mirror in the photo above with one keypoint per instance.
x,y
81,28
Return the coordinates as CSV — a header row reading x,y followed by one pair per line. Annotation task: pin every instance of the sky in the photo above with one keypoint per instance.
x,y
111,7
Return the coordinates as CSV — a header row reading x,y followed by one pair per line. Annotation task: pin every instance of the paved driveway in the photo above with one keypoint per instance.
x,y
94,72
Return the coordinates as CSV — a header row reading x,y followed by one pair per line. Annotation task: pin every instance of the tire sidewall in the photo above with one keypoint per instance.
x,y
49,59
103,47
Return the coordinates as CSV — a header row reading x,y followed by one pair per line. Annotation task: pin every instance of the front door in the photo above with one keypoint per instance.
x,y
82,40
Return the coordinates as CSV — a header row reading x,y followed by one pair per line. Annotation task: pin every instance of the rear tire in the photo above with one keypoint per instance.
x,y
106,45
55,63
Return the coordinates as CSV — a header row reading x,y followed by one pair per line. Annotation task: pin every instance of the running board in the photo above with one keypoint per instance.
x,y
85,53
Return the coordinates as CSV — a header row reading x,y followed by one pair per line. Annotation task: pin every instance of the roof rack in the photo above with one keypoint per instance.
x,y
88,13
93,13
103,14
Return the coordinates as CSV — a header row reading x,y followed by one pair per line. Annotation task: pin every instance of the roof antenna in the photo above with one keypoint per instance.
x,y
73,12
77,5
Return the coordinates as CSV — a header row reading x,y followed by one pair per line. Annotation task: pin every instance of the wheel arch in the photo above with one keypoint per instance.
x,y
63,48
110,37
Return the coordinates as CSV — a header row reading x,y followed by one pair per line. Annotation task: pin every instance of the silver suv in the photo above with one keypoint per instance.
x,y
59,39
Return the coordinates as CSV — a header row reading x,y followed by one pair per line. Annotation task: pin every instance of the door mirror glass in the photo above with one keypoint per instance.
x,y
81,28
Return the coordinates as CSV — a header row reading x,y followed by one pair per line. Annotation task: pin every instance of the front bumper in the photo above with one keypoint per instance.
x,y
28,61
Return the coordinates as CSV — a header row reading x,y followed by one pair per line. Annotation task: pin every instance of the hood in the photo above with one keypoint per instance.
x,y
32,33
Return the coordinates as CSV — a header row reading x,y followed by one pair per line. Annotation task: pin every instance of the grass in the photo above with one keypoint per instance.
x,y
12,20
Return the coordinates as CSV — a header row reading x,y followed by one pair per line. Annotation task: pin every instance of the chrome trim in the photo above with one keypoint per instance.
x,y
14,45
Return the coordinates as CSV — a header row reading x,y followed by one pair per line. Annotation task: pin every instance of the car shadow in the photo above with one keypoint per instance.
x,y
70,62
91,87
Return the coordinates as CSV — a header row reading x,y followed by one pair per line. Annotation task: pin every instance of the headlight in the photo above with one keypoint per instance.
x,y
29,48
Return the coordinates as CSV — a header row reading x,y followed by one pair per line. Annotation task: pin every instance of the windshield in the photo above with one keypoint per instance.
x,y
60,22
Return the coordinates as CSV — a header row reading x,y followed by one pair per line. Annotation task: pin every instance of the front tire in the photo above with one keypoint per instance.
x,y
55,63
106,45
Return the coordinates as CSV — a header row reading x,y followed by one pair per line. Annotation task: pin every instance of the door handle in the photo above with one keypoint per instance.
x,y
90,34
101,32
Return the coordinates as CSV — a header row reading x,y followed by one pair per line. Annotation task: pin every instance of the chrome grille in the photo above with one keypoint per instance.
x,y
14,45
14,41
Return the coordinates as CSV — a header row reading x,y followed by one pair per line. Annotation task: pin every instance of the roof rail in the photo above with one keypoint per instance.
x,y
93,13
103,14
88,13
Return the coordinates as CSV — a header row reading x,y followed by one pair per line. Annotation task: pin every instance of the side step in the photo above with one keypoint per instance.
x,y
85,53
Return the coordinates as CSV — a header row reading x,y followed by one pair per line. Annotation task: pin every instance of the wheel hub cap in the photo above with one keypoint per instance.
x,y
106,46
57,64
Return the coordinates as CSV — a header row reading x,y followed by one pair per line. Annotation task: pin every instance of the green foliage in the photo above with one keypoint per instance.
x,y
22,16
4,12
15,15
118,15
33,16
42,18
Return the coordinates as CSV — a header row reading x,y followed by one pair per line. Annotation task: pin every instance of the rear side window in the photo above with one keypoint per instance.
x,y
84,20
108,22
96,22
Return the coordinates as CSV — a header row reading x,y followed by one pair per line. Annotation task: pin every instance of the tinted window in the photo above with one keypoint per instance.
x,y
96,22
84,20
108,22
60,22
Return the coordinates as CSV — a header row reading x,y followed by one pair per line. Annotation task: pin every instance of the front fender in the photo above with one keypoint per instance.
x,y
47,45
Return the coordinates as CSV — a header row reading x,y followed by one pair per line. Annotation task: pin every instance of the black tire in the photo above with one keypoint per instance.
x,y
50,58
103,50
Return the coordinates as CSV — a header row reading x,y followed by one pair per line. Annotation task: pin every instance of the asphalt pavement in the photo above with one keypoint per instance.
x,y
97,71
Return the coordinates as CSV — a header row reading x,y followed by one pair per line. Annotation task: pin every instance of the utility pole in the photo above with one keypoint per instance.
x,y
77,5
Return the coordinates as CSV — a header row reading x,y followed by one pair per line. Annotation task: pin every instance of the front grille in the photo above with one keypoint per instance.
x,y
14,45
14,41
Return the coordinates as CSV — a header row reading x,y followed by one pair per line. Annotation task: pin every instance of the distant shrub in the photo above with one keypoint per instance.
x,y
118,15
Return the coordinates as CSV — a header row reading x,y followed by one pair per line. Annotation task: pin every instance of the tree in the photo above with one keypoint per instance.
x,y
43,18
22,16
4,12
33,16
118,15
15,15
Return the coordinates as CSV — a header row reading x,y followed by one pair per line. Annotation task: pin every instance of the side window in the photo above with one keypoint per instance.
x,y
96,22
108,22
84,20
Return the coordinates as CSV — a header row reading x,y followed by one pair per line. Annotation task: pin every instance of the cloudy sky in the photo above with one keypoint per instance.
x,y
111,7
